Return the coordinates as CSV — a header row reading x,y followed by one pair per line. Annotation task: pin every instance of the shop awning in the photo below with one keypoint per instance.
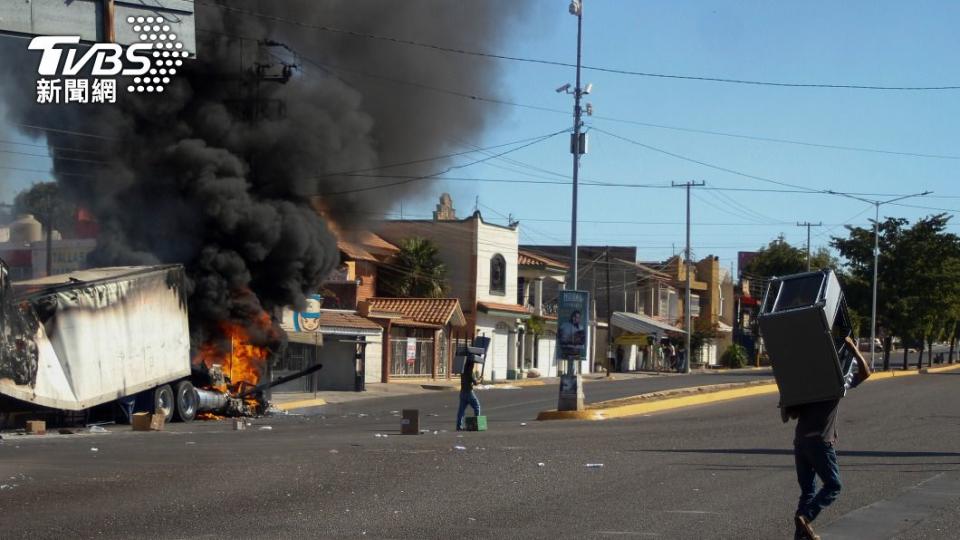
x,y
635,323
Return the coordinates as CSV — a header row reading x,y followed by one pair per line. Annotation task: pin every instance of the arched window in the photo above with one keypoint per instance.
x,y
498,275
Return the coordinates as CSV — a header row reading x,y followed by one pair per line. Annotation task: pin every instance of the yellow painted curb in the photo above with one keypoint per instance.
x,y
521,382
703,398
592,414
300,404
688,401
940,369
878,375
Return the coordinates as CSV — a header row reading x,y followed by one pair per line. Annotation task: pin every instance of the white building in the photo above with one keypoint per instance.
x,y
481,260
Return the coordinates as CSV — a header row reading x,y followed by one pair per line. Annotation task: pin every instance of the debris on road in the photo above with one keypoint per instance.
x,y
94,449
523,423
594,465
459,447
266,428
541,464
97,429
334,451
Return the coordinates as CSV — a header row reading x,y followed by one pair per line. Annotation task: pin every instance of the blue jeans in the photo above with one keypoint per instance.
x,y
814,458
467,398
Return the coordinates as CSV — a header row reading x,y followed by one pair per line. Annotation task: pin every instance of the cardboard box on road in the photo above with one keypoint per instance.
x,y
36,427
147,422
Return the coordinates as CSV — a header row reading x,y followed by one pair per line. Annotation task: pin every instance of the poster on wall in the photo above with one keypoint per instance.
x,y
573,318
411,350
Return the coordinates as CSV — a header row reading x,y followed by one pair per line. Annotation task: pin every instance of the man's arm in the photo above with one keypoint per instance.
x,y
863,369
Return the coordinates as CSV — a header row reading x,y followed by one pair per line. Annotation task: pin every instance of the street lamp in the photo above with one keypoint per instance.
x,y
876,262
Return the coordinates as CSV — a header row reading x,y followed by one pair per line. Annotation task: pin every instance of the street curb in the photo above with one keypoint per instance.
x,y
690,396
521,382
440,387
940,369
593,414
878,375
299,404
690,400
671,399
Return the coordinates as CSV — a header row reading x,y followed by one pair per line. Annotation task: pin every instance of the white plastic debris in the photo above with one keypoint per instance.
x,y
97,429
191,443
459,447
334,451
378,435
266,428
94,449
523,423
472,519
594,465
436,432
541,464
394,412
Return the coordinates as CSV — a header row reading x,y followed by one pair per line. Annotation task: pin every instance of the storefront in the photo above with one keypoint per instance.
x,y
341,340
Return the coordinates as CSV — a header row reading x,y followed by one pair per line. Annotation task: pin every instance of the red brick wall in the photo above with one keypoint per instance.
x,y
367,274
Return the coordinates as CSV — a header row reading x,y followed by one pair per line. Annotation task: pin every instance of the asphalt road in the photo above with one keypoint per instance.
x,y
716,471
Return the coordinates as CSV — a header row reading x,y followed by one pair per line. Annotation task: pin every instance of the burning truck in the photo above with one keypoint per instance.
x,y
120,335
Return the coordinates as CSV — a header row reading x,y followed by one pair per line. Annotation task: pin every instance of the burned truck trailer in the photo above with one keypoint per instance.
x,y
75,341
120,335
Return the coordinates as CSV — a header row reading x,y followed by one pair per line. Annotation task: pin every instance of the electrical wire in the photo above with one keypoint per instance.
x,y
448,169
465,52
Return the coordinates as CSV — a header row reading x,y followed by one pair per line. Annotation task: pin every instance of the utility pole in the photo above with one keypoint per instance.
x,y
876,263
807,224
576,7
610,355
49,234
686,307
578,140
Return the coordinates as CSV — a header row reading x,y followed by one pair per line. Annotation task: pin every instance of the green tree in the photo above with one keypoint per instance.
x,y
918,283
415,272
857,252
779,258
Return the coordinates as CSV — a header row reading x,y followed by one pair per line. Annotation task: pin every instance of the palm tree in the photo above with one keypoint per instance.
x,y
415,272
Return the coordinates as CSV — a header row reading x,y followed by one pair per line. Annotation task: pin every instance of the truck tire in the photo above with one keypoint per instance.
x,y
163,400
187,401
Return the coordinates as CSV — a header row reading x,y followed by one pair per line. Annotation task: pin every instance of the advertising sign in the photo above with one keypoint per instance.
x,y
573,319
411,350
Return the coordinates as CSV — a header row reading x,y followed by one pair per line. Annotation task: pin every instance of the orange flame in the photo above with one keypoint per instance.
x,y
242,362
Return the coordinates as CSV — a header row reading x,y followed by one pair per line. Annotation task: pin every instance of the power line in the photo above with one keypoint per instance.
x,y
330,68
448,169
465,52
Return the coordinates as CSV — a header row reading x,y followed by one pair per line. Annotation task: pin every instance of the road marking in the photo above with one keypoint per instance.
x,y
697,512
887,518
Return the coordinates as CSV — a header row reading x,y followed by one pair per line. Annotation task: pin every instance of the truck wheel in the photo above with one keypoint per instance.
x,y
187,401
163,400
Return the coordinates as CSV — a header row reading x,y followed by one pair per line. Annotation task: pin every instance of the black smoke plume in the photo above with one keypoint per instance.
x,y
224,171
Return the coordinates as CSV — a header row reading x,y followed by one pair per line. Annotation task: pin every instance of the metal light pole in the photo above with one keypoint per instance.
x,y
576,8
876,265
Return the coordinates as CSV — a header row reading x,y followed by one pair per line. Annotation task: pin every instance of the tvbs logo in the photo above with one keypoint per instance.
x,y
151,63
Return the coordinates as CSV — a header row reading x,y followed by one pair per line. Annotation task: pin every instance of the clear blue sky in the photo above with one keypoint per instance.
x,y
866,42
863,42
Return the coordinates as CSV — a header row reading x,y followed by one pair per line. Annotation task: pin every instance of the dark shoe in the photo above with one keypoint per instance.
x,y
803,526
